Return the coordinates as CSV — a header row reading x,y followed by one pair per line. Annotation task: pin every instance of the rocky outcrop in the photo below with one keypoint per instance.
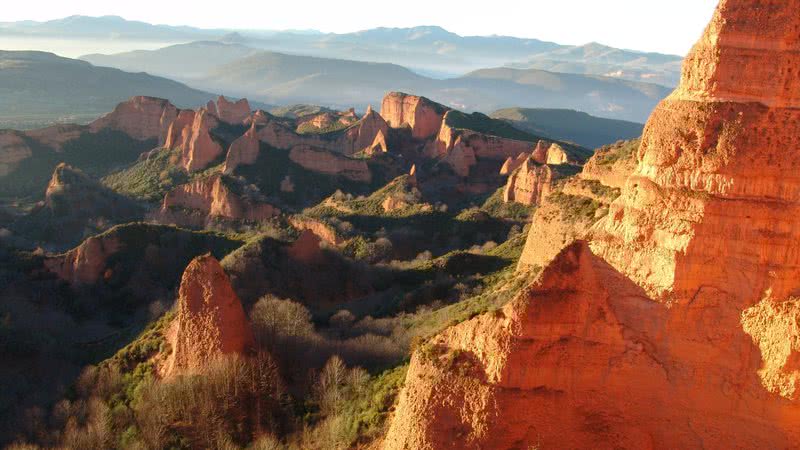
x,y
329,163
210,322
235,113
717,174
613,164
212,198
551,153
75,206
327,120
462,148
676,326
243,151
365,134
421,115
191,133
13,150
324,231
512,164
142,118
578,360
85,264
530,183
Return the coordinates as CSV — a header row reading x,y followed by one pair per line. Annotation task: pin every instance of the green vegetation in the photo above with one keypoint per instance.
x,y
601,190
620,151
496,207
575,208
150,178
308,128
486,125
94,153
273,166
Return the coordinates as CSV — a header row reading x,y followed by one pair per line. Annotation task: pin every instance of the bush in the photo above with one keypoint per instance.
x,y
234,401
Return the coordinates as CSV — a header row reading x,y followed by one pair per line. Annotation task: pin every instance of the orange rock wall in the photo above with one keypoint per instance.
x,y
422,115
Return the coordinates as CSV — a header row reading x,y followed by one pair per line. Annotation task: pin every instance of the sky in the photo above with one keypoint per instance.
x,y
648,25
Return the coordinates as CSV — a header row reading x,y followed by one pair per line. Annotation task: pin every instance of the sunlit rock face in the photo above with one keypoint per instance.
x,y
142,118
423,116
210,322
676,324
718,166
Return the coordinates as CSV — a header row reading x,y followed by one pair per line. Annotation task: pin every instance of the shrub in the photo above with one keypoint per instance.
x,y
234,401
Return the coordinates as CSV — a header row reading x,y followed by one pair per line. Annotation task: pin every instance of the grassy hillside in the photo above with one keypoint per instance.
x,y
569,125
39,88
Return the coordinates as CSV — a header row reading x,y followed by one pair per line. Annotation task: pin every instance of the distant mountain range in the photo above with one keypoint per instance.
x,y
428,50
38,88
278,78
568,125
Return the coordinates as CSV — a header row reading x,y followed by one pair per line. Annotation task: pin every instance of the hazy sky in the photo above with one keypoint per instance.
x,y
652,25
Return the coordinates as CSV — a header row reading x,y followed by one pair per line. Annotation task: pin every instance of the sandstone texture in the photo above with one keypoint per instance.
x,y
329,163
85,264
530,183
210,321
243,151
191,133
213,198
234,113
365,134
462,149
675,325
421,115
143,118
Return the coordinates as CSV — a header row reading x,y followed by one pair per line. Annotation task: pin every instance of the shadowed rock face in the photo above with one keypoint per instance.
x,y
210,320
676,325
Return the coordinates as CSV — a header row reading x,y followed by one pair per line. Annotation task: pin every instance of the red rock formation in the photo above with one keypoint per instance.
x,y
85,264
612,165
306,248
321,229
423,116
235,113
512,164
213,198
140,117
259,117
243,150
551,153
329,163
191,133
681,332
210,322
179,130
365,134
462,148
530,183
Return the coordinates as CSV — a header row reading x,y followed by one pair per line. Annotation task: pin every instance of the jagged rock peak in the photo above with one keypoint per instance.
x,y
423,116
210,321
